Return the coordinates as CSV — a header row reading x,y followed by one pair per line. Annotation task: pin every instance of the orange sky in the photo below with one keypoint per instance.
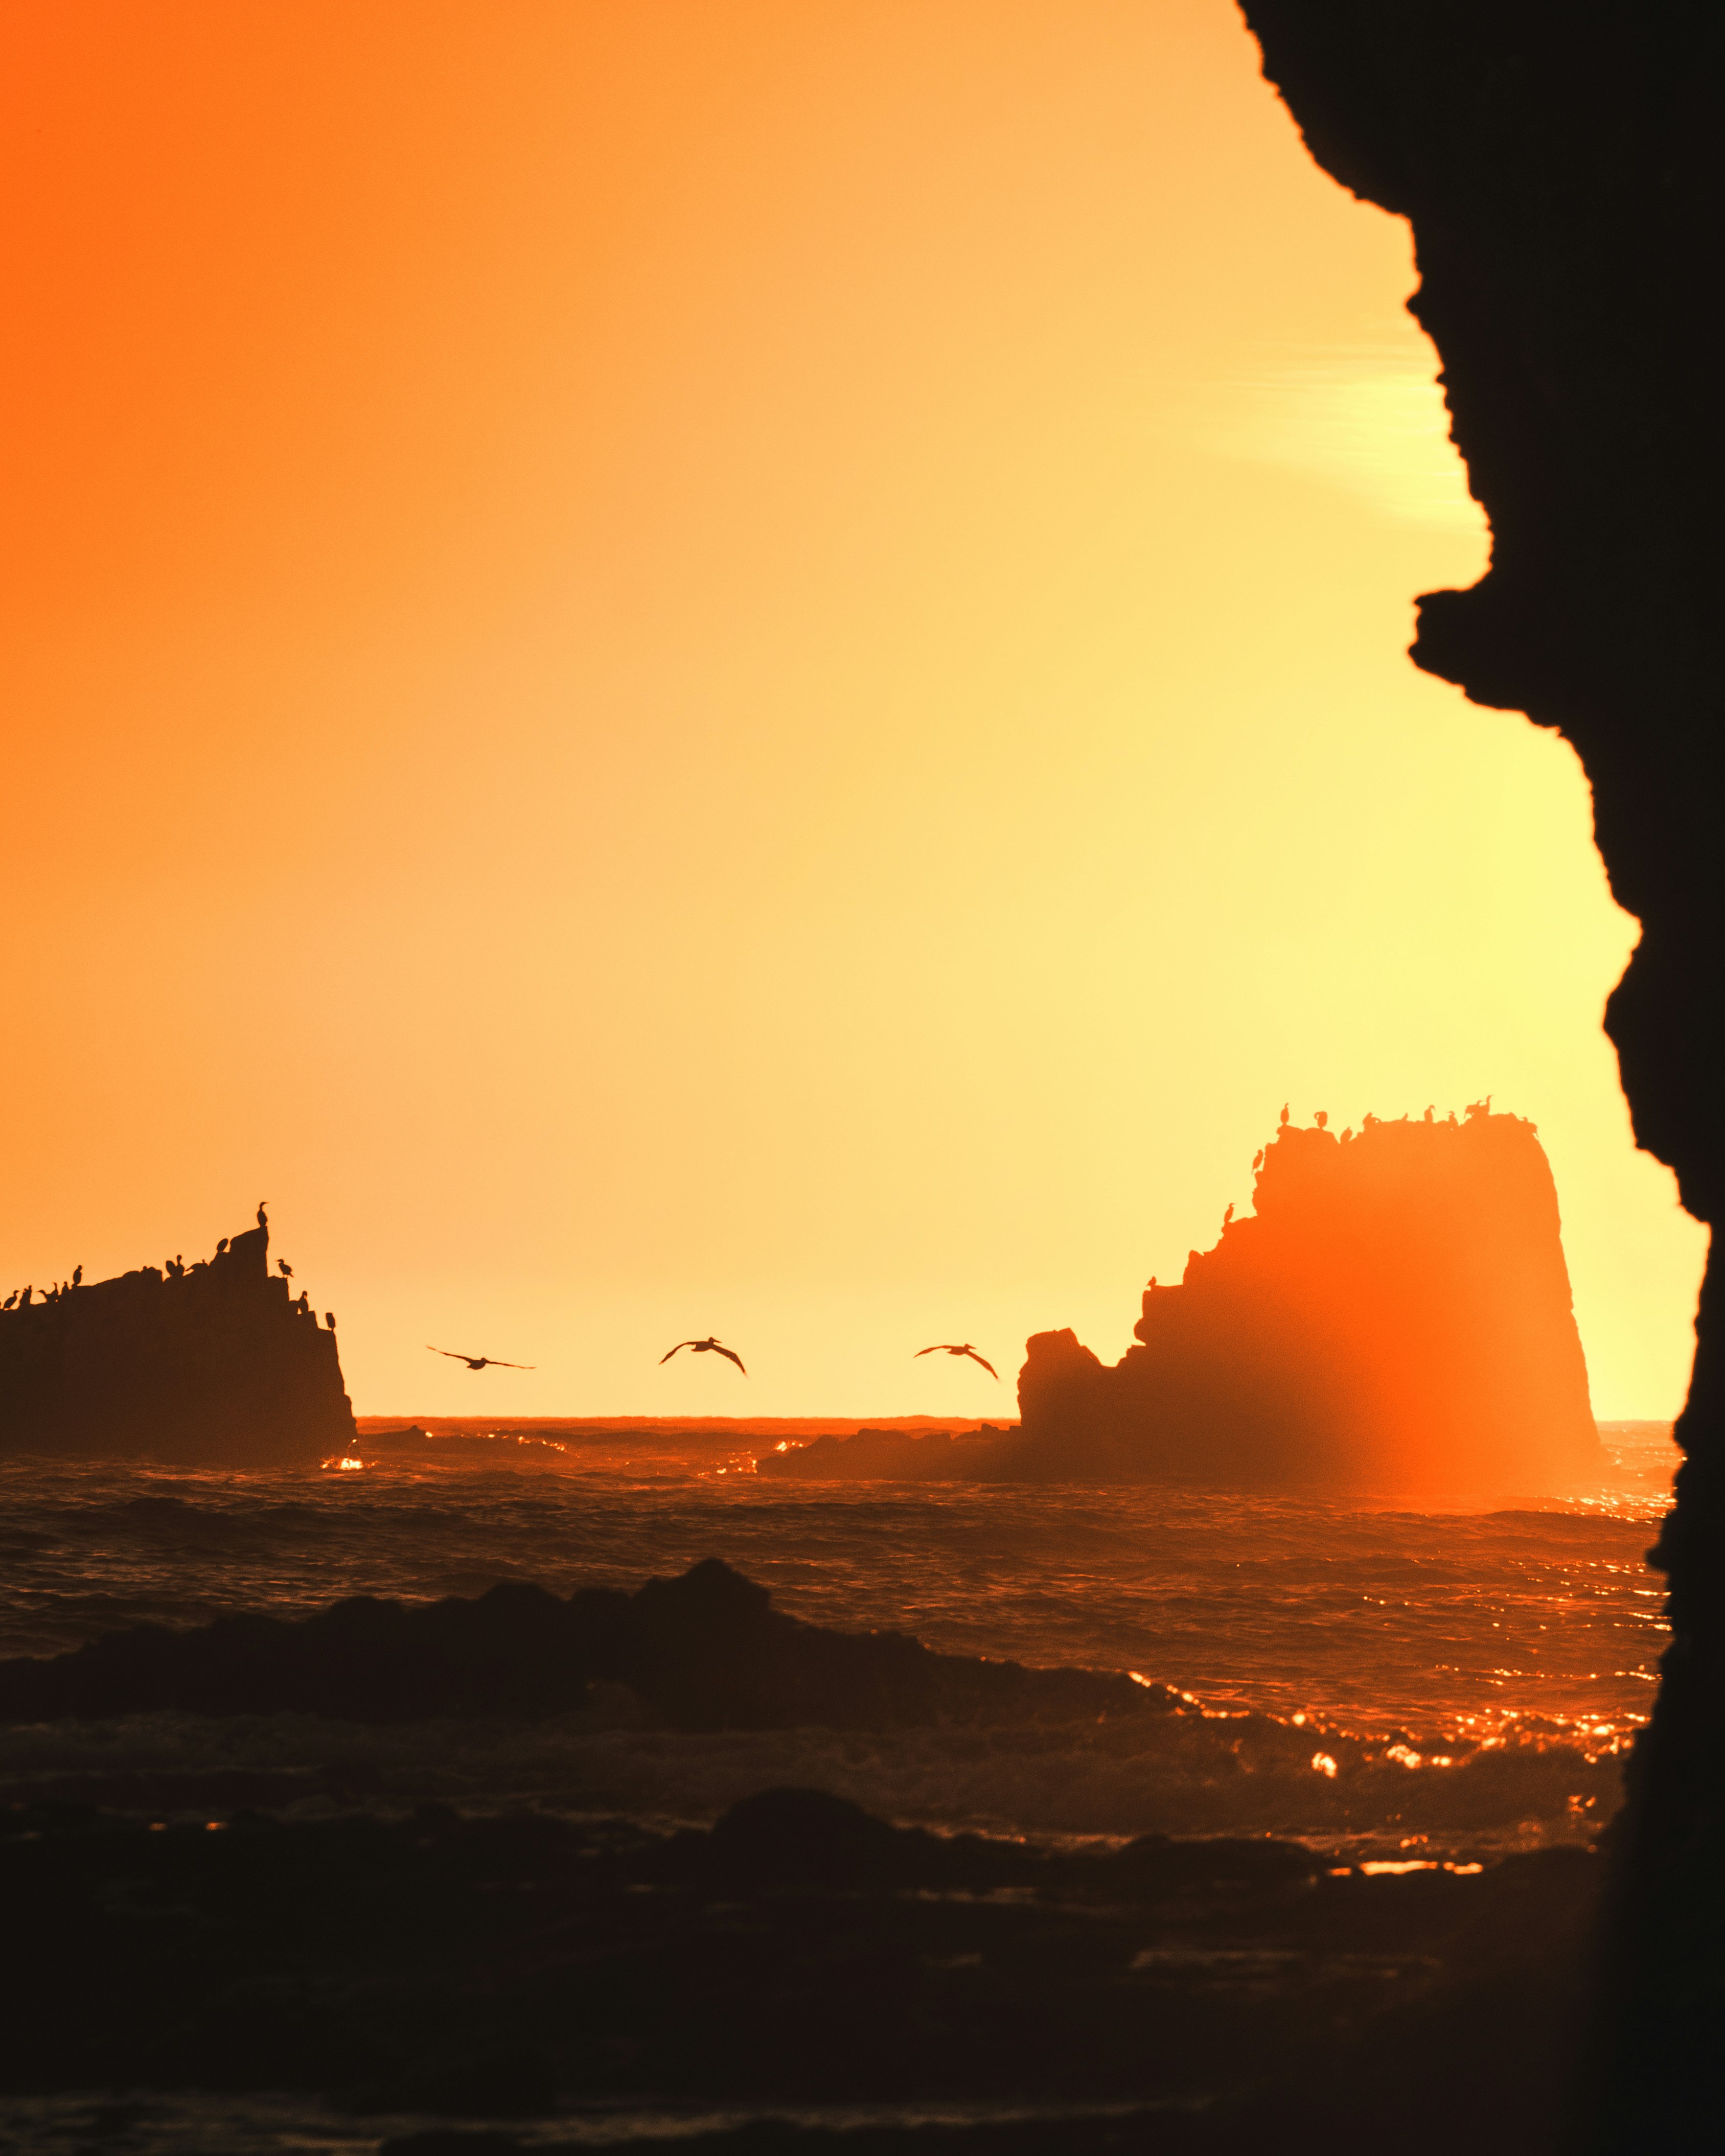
x,y
721,666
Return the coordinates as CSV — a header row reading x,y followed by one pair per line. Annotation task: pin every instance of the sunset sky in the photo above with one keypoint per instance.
x,y
739,665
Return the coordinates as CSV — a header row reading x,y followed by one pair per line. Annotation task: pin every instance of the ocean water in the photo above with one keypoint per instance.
x,y
1401,1685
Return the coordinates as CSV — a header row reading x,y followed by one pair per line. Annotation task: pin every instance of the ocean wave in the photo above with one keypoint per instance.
x,y
1520,1646
1180,1776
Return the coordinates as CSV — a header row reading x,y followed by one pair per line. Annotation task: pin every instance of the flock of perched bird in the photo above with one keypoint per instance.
x,y
710,1346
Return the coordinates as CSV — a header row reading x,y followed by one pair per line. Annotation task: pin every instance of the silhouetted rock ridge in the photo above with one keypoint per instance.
x,y
215,1364
707,1651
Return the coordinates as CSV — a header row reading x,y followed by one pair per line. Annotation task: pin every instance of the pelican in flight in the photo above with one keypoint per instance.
x,y
480,1362
707,1346
964,1348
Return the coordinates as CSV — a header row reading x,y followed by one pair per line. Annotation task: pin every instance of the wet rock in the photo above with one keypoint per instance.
x,y
798,1954
806,1836
705,1651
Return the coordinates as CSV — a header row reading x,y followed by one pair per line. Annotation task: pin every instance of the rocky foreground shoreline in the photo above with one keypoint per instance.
x,y
491,1972
1209,1996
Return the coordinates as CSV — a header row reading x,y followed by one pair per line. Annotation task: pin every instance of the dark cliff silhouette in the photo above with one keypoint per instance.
x,y
1560,169
210,1365
1395,1311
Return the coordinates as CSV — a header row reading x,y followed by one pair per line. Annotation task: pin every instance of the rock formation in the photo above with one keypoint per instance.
x,y
1393,1315
1559,168
1394,1312
213,1364
481,1981
707,1651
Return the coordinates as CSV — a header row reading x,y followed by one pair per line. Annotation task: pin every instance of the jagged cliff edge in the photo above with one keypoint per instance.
x,y
1560,169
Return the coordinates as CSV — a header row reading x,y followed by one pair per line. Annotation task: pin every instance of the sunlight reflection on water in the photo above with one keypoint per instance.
x,y
1349,1670
1457,1623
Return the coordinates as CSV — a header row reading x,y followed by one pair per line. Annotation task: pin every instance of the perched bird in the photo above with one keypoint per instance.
x,y
263,1217
221,1247
77,1275
284,1268
710,1346
329,1319
964,1347
480,1362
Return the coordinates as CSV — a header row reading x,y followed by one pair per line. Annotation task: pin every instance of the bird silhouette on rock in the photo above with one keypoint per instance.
x,y
961,1348
710,1346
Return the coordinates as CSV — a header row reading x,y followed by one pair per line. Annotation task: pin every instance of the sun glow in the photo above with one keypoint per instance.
x,y
1369,419
723,695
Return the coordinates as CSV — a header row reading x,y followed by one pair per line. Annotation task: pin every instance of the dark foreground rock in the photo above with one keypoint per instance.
x,y
210,1364
800,1952
1559,168
702,1652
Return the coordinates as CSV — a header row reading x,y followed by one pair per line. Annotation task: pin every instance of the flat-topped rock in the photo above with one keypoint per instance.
x,y
216,1363
1394,1311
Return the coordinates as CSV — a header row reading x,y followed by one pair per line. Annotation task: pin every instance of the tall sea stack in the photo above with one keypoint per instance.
x,y
213,1366
1395,1313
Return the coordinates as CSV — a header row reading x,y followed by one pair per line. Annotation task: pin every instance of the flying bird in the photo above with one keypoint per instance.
x,y
964,1348
710,1346
480,1362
